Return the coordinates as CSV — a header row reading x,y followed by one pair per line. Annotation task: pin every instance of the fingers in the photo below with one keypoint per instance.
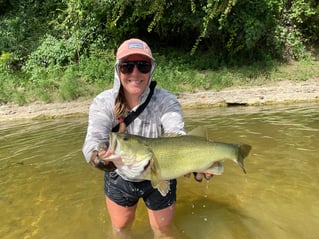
x,y
208,176
99,163
104,154
199,176
104,150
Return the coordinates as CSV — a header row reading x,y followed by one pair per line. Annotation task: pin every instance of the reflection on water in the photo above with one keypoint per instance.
x,y
48,191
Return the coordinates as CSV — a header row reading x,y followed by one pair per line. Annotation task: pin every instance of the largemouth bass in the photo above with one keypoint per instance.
x,y
165,158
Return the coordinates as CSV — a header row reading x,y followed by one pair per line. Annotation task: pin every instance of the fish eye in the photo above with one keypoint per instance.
x,y
125,138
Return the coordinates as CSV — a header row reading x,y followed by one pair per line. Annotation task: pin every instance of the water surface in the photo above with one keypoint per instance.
x,y
48,191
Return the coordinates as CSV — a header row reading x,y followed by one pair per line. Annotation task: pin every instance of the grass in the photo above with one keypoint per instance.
x,y
297,71
253,75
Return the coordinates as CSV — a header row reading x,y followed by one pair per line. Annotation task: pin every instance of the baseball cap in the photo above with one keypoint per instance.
x,y
133,46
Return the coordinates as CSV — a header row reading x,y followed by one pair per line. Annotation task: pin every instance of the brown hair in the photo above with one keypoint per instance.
x,y
120,109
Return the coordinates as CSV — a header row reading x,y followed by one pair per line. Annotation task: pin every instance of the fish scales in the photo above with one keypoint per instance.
x,y
180,155
162,159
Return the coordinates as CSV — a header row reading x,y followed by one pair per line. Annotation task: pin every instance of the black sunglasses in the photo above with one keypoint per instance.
x,y
128,66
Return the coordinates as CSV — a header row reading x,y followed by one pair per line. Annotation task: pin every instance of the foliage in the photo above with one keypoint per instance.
x,y
57,48
233,29
51,52
22,24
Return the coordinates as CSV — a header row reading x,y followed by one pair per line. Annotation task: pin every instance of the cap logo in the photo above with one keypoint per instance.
x,y
135,45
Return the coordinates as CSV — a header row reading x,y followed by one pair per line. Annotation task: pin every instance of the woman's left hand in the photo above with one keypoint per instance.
x,y
199,176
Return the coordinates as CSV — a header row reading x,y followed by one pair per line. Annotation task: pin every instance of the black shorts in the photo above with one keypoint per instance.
x,y
127,194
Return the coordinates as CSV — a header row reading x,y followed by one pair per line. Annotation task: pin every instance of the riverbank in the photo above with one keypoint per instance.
x,y
281,92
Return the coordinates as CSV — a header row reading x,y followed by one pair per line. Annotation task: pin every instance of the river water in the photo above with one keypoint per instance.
x,y
48,191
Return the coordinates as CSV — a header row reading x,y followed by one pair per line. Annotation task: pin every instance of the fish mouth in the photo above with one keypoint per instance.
x,y
147,165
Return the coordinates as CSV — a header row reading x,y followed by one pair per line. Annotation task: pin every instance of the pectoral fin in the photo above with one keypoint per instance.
x,y
199,131
162,186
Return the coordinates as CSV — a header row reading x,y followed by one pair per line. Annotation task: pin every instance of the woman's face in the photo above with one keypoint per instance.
x,y
134,83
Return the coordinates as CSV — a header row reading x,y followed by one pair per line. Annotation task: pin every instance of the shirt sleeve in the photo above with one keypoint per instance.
x,y
99,123
172,117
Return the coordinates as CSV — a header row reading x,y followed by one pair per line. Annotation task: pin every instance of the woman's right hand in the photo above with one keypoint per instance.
x,y
97,160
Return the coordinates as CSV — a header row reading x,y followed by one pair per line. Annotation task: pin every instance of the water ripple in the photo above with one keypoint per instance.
x,y
46,182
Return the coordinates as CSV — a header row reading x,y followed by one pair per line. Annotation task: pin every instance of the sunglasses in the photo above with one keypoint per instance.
x,y
128,66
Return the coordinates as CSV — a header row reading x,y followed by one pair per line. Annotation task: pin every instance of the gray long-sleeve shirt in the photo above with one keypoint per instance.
x,y
163,114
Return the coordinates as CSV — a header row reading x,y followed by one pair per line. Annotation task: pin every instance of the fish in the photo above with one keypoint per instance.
x,y
162,159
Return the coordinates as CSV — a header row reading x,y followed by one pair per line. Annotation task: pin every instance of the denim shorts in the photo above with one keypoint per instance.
x,y
127,194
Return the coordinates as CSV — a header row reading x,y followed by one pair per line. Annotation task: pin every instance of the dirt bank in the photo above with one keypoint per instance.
x,y
275,93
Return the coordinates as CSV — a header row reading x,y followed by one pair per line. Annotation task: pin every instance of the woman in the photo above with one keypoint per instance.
x,y
134,69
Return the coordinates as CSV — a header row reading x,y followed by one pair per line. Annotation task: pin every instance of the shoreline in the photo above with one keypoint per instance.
x,y
281,92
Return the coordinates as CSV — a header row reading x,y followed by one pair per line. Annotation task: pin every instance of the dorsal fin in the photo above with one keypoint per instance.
x,y
199,131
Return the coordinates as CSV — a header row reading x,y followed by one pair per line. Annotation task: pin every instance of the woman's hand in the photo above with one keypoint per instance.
x,y
217,168
199,176
98,158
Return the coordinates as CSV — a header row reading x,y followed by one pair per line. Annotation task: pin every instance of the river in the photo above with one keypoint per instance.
x,y
48,191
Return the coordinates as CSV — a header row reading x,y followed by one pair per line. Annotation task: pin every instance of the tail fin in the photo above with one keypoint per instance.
x,y
243,151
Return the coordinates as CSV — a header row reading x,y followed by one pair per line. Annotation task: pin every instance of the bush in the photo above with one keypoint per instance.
x,y
51,52
98,67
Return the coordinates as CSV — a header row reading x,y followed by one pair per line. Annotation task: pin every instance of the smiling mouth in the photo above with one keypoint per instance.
x,y
134,80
